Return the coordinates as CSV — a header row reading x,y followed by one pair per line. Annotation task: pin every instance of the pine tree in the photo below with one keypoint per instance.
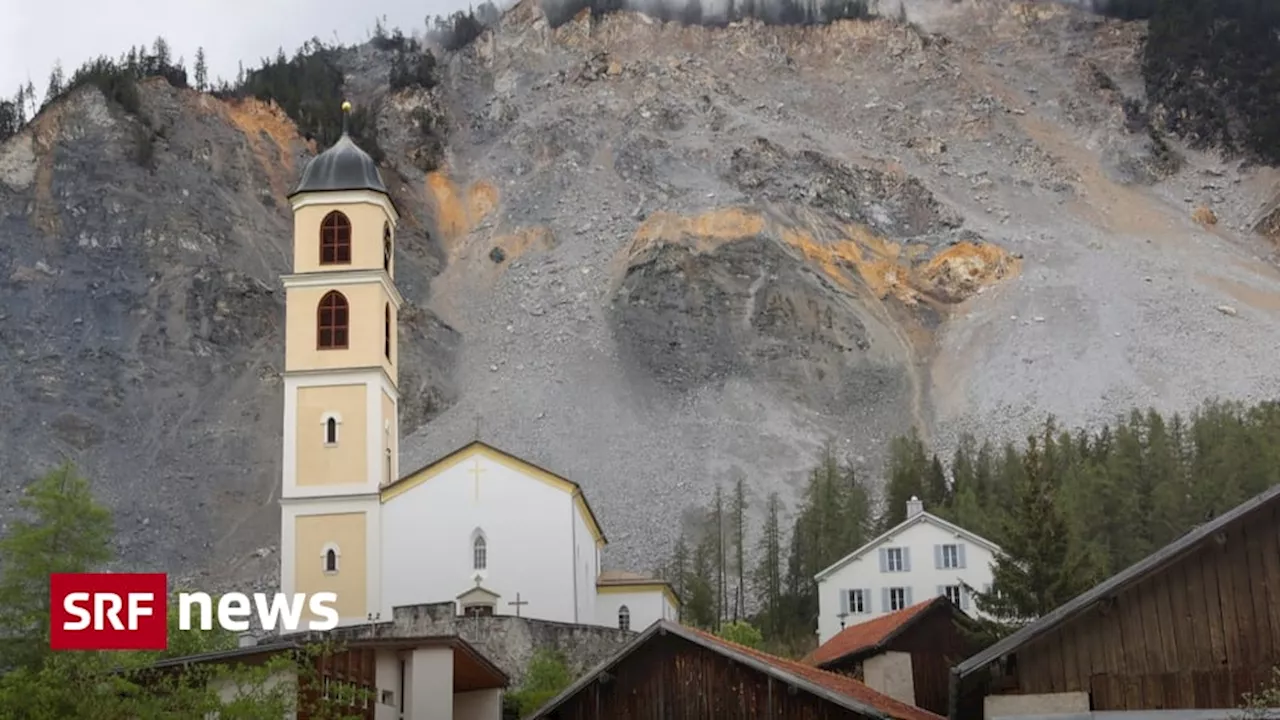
x,y
908,469
1039,569
161,52
65,530
201,70
678,570
768,574
56,81
738,520
716,526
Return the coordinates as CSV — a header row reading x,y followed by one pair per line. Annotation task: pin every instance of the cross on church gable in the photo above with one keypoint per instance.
x,y
475,472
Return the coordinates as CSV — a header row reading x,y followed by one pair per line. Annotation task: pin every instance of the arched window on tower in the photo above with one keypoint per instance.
x,y
386,340
331,431
335,239
624,618
331,321
479,553
330,556
386,247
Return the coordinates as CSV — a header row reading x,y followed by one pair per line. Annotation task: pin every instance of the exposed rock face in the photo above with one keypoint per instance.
x,y
652,258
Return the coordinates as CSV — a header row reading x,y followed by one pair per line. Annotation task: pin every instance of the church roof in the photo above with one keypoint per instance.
x,y
344,166
622,577
520,465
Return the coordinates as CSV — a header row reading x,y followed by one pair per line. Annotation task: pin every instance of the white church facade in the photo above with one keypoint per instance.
x,y
484,529
921,558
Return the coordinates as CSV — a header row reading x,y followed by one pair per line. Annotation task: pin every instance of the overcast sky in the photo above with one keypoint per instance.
x,y
35,33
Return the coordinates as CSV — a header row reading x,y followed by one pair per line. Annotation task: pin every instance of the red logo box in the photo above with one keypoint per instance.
x,y
108,611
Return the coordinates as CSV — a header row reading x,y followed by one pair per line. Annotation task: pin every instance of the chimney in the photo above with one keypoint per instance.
x,y
914,507
248,640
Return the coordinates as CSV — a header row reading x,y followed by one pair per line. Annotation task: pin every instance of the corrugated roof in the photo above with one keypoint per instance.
x,y
870,634
843,691
1152,563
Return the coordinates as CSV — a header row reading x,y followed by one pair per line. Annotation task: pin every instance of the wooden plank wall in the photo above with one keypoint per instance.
x,y
936,644
1196,635
672,679
353,667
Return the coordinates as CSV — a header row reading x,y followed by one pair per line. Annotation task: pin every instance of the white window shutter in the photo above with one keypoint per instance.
x,y
906,559
884,600
866,600
884,560
906,597
942,589
844,601
960,554
964,598
937,557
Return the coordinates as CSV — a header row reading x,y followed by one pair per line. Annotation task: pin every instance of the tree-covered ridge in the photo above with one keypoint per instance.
x,y
1213,68
1069,507
308,86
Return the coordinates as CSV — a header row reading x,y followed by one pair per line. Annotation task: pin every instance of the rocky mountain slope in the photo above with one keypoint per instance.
x,y
656,258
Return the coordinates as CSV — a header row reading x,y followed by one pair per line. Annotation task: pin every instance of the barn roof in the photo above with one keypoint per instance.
x,y
872,636
840,690
1153,563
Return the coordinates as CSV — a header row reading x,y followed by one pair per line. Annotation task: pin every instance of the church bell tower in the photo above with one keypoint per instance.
x,y
341,433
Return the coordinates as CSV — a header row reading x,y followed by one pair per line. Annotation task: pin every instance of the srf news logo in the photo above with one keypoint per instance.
x,y
130,611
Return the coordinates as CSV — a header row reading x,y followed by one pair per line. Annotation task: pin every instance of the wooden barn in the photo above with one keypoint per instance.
x,y
1193,626
907,654
671,672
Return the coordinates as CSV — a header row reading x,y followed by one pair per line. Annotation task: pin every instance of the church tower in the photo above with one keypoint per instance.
x,y
341,433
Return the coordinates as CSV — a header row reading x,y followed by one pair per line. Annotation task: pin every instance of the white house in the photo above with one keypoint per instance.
x,y
923,557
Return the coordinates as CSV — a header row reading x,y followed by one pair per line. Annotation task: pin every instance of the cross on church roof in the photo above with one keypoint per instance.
x,y
517,603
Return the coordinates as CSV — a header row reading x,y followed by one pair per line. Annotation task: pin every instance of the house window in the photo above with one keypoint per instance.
x,y
950,556
335,239
329,558
953,594
857,602
386,339
897,598
386,247
331,321
893,560
479,553
331,430
624,618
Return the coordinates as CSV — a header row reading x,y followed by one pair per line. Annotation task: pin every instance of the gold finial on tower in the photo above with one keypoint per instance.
x,y
346,115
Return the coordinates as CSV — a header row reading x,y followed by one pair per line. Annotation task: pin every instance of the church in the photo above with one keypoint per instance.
x,y
491,532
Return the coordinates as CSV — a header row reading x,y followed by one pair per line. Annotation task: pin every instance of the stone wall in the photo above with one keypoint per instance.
x,y
508,641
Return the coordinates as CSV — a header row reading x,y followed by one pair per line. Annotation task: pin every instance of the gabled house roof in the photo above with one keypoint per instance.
x,y
921,517
840,690
873,636
1153,563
